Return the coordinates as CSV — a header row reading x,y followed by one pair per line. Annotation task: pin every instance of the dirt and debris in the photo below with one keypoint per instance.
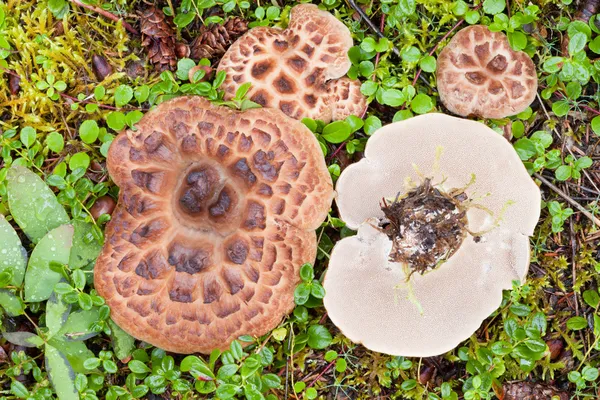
x,y
426,226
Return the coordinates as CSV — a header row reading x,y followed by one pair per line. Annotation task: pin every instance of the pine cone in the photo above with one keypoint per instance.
x,y
214,40
158,37
531,391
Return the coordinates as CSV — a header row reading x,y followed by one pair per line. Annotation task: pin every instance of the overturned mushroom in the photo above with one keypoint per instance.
x,y
444,209
298,70
479,74
216,214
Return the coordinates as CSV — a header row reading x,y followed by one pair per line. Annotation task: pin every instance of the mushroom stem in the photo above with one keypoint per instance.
x,y
562,194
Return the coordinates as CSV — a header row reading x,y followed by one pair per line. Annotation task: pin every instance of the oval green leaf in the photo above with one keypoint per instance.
x,y
32,204
13,257
61,374
39,278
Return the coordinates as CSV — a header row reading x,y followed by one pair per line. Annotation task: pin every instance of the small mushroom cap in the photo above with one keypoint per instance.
x,y
216,214
298,70
479,74
361,295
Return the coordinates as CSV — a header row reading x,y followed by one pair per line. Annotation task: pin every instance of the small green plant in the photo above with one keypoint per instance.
x,y
559,215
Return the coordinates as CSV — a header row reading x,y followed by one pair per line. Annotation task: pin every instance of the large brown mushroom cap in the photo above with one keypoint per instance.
x,y
479,74
297,69
367,296
216,214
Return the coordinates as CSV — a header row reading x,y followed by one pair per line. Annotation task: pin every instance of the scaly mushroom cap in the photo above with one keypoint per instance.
x,y
367,295
216,214
479,74
297,69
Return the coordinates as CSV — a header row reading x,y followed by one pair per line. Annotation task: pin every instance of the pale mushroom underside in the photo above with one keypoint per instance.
x,y
367,296
216,214
298,70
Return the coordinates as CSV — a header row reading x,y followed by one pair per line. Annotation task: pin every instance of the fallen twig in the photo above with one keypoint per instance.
x,y
562,194
106,14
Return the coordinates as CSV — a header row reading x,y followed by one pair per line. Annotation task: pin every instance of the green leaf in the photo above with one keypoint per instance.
x,y
520,309
592,298
88,131
392,97
123,95
18,389
302,293
141,93
183,68
13,256
12,305
39,278
561,107
563,172
472,17
595,124
306,272
25,339
336,132
428,64
61,374
271,381
28,136
79,160
138,367
182,20
494,6
525,148
86,247
410,54
197,368
372,123
116,120
421,104
78,325
317,290
123,343
56,314
227,391
76,352
590,374
32,204
577,43
55,142
576,323
318,337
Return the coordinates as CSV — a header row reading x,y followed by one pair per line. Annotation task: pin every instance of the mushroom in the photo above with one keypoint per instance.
x,y
298,70
217,212
444,209
479,74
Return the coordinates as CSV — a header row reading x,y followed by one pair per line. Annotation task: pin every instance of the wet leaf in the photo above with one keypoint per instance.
x,y
56,314
32,204
78,325
85,246
123,343
39,278
13,257
61,374
76,353
11,304
25,339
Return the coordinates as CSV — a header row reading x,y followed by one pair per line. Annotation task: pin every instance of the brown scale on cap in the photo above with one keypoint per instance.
x,y
298,70
479,74
216,214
